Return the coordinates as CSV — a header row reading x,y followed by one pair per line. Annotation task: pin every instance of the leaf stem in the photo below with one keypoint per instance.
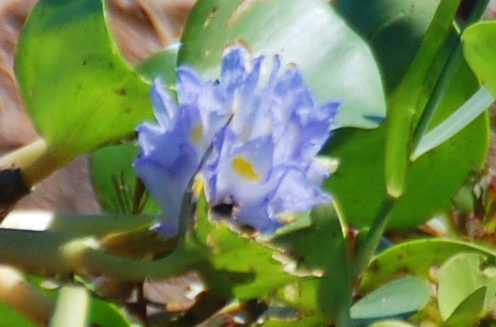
x,y
24,156
369,246
455,59
72,307
55,253
407,100
20,295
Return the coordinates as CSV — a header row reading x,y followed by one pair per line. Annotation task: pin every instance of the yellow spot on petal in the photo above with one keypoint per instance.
x,y
196,134
245,169
198,184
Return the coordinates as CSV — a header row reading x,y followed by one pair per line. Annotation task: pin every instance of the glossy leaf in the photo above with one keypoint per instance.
x,y
239,266
479,47
415,258
467,313
407,101
115,181
358,183
394,29
161,65
401,296
463,116
459,277
106,314
335,62
391,323
321,247
76,87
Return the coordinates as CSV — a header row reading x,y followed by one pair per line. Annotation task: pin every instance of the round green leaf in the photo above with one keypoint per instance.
x,y
77,89
358,184
468,312
405,295
334,61
479,45
415,258
106,314
115,181
459,277
160,65
391,323
393,28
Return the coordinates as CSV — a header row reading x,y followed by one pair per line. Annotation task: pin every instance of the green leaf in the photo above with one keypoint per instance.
x,y
390,27
463,116
407,101
320,247
11,317
467,313
401,296
358,183
301,322
459,277
335,62
115,181
479,47
391,323
161,64
415,258
240,266
106,314
77,89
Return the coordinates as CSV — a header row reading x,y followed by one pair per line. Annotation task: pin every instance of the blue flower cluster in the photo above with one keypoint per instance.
x,y
260,143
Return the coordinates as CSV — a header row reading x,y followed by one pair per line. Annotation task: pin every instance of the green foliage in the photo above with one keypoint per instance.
x,y
331,292
82,97
479,47
459,278
467,313
240,266
415,258
116,183
394,30
391,323
106,314
358,185
77,89
160,65
463,116
11,317
401,296
335,62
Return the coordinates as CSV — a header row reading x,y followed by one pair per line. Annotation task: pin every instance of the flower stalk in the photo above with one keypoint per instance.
x,y
72,307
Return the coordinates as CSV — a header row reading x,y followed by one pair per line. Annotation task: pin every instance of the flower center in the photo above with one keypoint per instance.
x,y
245,169
196,134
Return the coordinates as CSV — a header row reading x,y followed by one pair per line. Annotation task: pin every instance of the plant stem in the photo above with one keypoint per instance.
x,y
449,70
55,253
369,246
408,99
20,295
72,307
25,156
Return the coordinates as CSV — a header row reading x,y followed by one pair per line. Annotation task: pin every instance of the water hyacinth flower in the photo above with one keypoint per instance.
x,y
262,161
172,148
